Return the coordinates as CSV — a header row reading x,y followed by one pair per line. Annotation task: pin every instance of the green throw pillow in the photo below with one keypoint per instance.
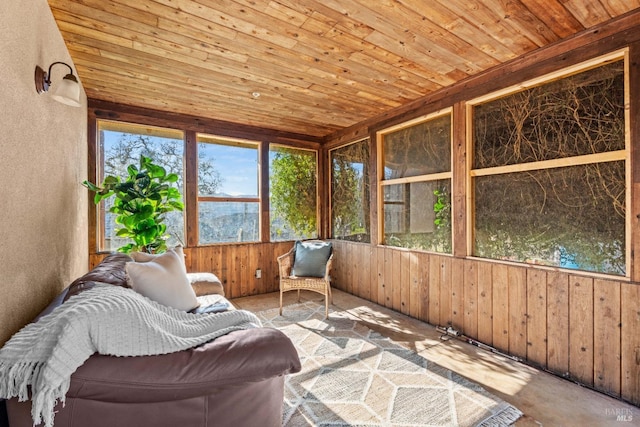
x,y
311,258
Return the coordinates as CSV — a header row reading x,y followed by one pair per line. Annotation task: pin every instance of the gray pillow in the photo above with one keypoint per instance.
x,y
311,258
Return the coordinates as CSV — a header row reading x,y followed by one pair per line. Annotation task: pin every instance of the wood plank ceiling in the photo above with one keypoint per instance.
x,y
311,67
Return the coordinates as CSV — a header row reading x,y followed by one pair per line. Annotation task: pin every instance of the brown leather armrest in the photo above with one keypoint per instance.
x,y
110,270
242,356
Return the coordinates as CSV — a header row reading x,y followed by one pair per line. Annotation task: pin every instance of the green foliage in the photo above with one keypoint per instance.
x,y
293,193
167,152
346,194
571,216
441,237
350,192
141,202
442,209
439,240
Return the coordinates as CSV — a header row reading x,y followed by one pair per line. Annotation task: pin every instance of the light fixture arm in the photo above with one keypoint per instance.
x,y
48,75
43,80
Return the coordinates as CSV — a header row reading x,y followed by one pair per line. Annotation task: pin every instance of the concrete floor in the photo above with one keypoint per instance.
x,y
545,400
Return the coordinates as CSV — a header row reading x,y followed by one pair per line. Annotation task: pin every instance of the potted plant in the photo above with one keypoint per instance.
x,y
141,202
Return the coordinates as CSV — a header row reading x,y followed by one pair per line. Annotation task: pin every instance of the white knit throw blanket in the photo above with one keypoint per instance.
x,y
107,319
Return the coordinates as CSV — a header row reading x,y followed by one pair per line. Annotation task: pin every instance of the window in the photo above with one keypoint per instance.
x,y
225,194
416,184
293,193
549,172
228,190
120,145
350,192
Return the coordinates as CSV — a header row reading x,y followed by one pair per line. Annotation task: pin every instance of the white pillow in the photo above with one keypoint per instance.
x,y
163,278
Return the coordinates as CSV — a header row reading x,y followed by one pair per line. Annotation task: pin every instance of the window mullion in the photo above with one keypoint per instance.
x,y
191,188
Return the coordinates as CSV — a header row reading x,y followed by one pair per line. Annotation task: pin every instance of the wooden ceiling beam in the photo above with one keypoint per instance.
x,y
107,110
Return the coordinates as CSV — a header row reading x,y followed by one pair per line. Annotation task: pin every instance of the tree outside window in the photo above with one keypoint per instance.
x,y
350,192
293,193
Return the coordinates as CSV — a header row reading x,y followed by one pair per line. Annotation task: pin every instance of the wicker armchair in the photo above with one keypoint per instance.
x,y
321,285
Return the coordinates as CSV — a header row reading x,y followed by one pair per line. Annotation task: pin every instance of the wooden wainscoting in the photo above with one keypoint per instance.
x,y
579,327
235,265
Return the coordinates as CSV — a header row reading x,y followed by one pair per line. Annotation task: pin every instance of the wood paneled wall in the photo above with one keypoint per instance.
x,y
579,327
235,265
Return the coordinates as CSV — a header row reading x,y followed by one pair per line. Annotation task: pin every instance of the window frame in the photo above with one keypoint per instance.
x,y
209,199
317,172
381,182
330,186
100,213
617,155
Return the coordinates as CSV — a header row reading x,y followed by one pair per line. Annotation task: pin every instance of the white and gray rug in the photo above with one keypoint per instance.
x,y
353,376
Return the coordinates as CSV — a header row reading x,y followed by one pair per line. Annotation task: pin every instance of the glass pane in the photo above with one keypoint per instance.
x,y
121,145
226,222
227,168
350,192
293,193
418,215
421,149
577,115
572,217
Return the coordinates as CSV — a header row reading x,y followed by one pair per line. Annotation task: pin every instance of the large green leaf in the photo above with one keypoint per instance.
x,y
127,248
147,235
110,180
146,211
142,182
123,232
132,170
173,193
156,196
127,220
159,188
156,171
179,206
101,195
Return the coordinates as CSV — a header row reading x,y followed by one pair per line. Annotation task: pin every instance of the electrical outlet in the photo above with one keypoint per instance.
x,y
258,273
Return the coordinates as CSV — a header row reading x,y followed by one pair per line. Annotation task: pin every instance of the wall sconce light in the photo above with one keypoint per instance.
x,y
67,92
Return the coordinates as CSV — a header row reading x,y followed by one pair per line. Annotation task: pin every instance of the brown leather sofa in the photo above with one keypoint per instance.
x,y
235,380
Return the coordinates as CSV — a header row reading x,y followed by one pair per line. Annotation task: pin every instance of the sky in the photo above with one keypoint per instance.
x,y
237,165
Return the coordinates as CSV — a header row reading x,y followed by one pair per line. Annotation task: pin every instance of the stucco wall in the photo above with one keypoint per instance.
x,y
43,158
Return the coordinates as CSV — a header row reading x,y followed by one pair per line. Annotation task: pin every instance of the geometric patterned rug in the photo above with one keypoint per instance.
x,y
353,376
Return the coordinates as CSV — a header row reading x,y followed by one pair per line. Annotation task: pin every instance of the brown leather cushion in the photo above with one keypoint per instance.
x,y
111,270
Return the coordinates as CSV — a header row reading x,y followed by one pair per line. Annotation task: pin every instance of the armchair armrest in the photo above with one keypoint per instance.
x,y
327,270
285,262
